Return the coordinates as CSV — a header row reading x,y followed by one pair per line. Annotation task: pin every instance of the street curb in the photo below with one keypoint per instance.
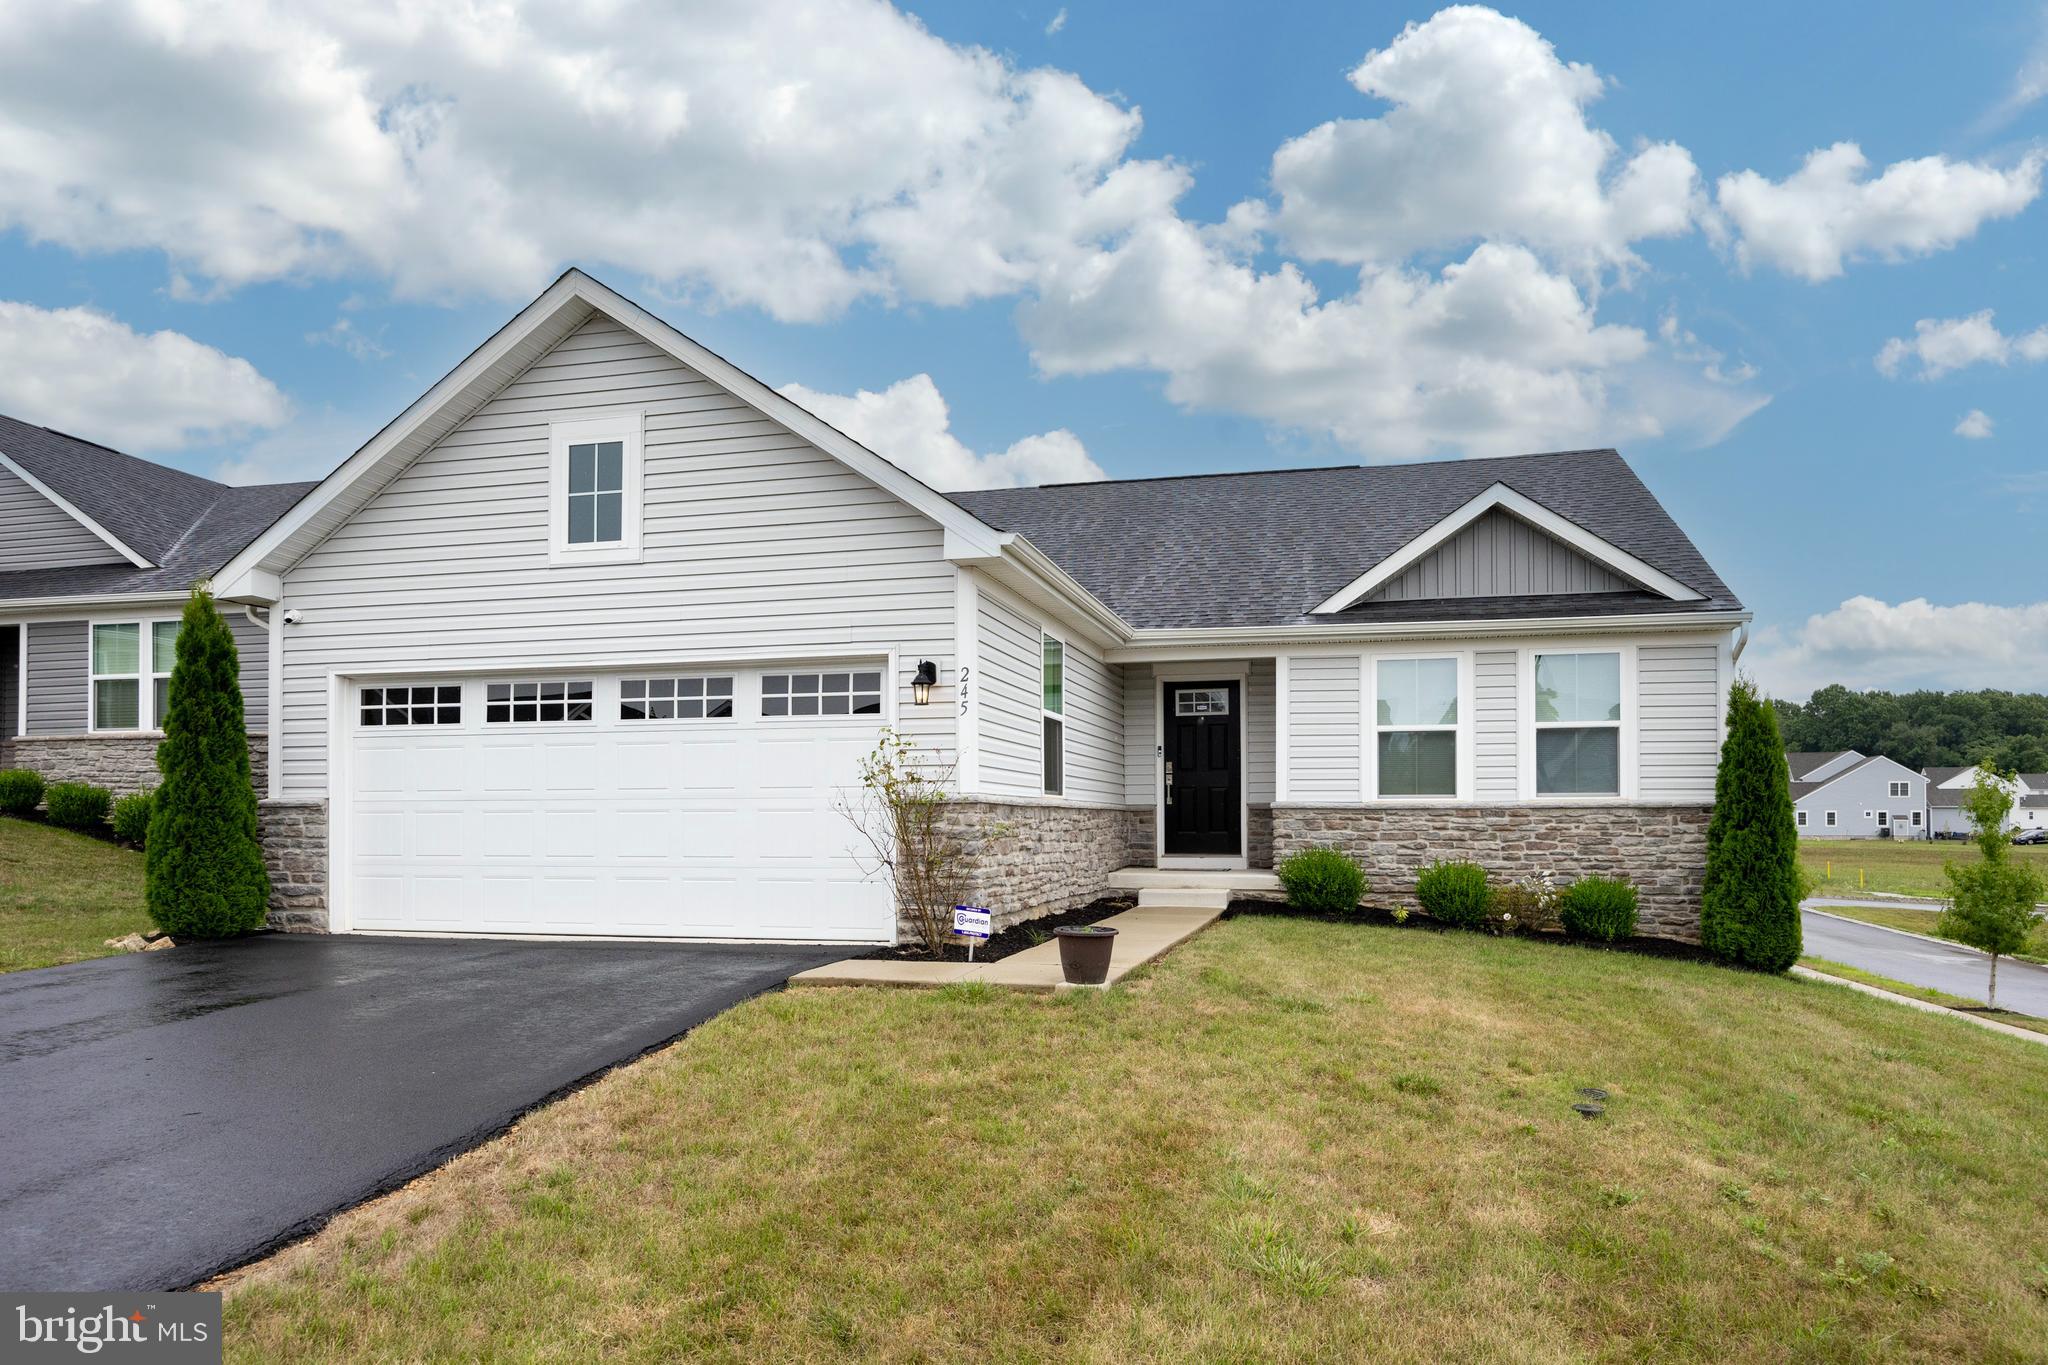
x,y
1903,933
2025,1035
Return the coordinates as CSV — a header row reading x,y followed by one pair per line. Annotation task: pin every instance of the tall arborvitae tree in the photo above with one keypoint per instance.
x,y
1749,911
204,858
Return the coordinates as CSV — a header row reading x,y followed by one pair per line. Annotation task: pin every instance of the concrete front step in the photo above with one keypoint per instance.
x,y
1253,881
1182,898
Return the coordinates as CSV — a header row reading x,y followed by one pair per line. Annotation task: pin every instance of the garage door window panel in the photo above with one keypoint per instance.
x,y
853,692
439,704
537,702
693,698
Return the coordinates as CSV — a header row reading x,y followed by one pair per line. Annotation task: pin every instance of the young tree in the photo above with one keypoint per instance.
x,y
1749,907
204,861
1991,901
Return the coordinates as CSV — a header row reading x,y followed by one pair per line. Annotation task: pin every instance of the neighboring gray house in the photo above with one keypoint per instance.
x,y
592,637
1947,786
1845,795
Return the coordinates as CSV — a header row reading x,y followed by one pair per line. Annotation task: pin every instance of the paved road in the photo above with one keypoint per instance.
x,y
164,1116
1950,967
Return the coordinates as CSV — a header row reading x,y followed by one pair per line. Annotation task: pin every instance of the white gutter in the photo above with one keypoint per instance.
x,y
47,606
1145,644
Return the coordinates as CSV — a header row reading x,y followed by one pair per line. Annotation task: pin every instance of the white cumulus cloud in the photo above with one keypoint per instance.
x,y
1975,425
81,371
1867,643
1940,345
1831,211
909,425
1487,139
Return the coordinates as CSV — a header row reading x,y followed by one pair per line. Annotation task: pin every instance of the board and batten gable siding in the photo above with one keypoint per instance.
x,y
1499,555
35,533
1678,720
1495,775
57,678
1012,708
755,544
1324,760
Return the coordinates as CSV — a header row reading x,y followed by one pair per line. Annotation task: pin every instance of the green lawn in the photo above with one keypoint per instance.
x,y
1904,867
1287,1141
62,895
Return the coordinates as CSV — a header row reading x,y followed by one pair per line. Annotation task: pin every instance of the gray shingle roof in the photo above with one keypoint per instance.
x,y
1265,548
1804,761
188,526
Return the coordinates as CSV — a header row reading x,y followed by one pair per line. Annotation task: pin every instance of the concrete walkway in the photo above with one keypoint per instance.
x,y
1143,935
1922,961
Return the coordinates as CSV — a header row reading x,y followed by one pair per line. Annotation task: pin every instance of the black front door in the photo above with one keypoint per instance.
x,y
1203,772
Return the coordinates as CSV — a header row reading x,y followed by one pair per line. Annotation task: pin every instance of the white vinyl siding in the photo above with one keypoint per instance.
x,y
1678,699
1494,775
756,544
35,533
1095,726
1012,707
1323,728
1258,733
252,648
1499,555
58,656
1141,733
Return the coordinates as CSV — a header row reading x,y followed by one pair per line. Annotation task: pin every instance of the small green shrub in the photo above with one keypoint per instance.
x,y
1524,907
21,790
1322,881
77,805
1602,908
131,816
1454,893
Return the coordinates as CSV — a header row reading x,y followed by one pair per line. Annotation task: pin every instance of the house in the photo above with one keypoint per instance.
x,y
1946,788
1844,795
592,637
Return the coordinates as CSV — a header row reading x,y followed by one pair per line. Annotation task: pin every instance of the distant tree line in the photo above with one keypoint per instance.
x,y
1923,729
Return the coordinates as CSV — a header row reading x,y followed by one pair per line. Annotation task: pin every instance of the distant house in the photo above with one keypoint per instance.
x,y
1843,794
1946,788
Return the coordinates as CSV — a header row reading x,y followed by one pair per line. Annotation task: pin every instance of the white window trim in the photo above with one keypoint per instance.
x,y
1526,723
1045,715
1828,820
1369,711
1799,818
627,426
1884,819
147,722
1916,819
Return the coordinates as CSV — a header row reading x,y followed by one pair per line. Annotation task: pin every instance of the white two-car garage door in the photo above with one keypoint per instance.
x,y
666,802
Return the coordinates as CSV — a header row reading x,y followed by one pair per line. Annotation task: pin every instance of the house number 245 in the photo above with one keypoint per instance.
x,y
964,671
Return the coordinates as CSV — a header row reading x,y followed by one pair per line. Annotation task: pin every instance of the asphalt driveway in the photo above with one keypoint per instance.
x,y
1950,967
164,1116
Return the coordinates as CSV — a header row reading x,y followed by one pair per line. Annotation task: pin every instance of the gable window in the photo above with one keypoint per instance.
x,y
1799,818
594,489
678,699
1578,724
131,673
821,694
1416,718
1053,716
1895,789
542,703
437,705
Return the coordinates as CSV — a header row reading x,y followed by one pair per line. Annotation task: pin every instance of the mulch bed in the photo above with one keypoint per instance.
x,y
1381,915
1014,939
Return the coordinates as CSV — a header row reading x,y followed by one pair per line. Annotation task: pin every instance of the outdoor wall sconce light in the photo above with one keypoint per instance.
x,y
921,685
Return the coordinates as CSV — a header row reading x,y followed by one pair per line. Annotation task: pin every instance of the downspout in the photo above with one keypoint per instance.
x,y
271,622
1741,643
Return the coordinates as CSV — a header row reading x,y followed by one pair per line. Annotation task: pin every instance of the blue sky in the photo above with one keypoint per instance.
x,y
1140,240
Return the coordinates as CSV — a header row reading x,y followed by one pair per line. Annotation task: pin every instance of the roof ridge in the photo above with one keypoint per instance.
x,y
1301,469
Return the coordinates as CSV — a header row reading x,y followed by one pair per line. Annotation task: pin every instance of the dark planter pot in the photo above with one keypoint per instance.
x,y
1084,953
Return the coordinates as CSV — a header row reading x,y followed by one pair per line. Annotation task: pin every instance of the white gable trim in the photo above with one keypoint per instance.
x,y
63,505
252,574
1600,551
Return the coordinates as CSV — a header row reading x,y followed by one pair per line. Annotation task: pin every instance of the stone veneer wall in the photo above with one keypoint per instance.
x,y
120,763
1144,834
294,834
1662,849
1036,858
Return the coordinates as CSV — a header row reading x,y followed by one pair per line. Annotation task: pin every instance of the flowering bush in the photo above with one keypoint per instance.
x,y
1528,906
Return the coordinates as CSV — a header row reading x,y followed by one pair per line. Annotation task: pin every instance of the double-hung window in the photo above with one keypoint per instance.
x,y
594,489
1415,713
1578,724
1053,716
1895,789
131,673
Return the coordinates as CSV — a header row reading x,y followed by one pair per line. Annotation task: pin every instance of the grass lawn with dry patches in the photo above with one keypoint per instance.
x,y
1900,867
62,895
1290,1140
